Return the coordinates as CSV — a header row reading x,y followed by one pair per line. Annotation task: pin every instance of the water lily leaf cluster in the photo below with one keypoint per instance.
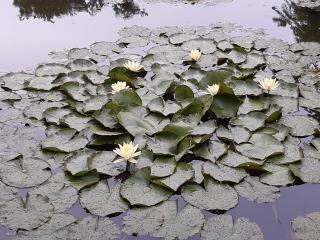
x,y
61,123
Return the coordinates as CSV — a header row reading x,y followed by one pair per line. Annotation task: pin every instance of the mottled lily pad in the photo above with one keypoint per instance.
x,y
93,229
182,173
252,189
215,196
306,228
26,172
26,214
222,227
138,190
100,200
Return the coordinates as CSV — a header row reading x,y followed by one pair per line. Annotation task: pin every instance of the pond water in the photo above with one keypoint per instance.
x,y
31,29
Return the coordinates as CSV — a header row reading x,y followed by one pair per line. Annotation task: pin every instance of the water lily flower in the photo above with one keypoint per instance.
x,y
213,89
118,86
195,54
269,84
133,66
127,152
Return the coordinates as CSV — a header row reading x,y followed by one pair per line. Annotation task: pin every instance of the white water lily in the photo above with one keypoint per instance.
x,y
133,66
213,89
127,152
195,54
269,84
118,86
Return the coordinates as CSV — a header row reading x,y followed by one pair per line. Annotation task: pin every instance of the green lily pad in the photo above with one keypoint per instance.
x,y
127,97
236,134
234,159
213,151
26,214
165,108
307,170
253,104
61,196
214,196
55,228
64,141
103,162
251,121
261,146
300,125
135,124
276,175
100,200
252,189
223,173
93,229
222,227
164,221
306,228
24,172
138,190
163,166
182,174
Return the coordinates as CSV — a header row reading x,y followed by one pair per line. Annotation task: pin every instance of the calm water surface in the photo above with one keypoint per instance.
x,y
30,29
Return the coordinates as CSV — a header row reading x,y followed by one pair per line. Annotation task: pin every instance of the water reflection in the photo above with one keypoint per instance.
x,y
48,10
304,22
127,9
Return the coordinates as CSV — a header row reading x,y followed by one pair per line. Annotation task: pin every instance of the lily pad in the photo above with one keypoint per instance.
x,y
214,196
213,151
93,229
25,172
300,125
64,141
223,173
56,228
306,228
26,214
222,227
61,196
251,121
163,166
308,170
182,174
261,146
100,200
252,189
164,221
138,190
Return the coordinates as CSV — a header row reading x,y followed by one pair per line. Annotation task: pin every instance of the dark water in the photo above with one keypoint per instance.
x,y
30,29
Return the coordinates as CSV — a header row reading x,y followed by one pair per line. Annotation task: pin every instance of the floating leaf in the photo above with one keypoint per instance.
x,y
100,200
223,173
252,189
214,196
64,141
28,214
93,229
127,97
213,151
222,227
252,120
306,228
182,174
138,190
55,228
25,172
163,166
300,125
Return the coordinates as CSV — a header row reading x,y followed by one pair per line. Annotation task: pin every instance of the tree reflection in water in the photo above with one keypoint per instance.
x,y
304,22
49,9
